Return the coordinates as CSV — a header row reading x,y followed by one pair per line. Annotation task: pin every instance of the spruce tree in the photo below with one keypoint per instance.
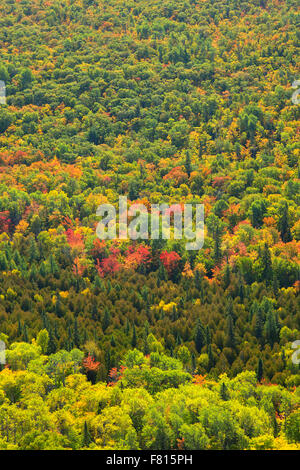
x,y
53,265
70,338
86,441
224,392
33,251
19,332
211,361
227,277
51,349
198,280
217,236
271,332
178,339
107,359
94,312
42,270
58,306
260,370
133,339
199,336
105,320
146,349
146,330
230,332
241,289
162,273
127,327
25,333
275,425
187,164
207,336
275,284
98,284
259,324
267,272
193,361
174,313
283,225
76,337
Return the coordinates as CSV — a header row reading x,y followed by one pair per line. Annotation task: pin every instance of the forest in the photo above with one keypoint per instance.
x,y
122,344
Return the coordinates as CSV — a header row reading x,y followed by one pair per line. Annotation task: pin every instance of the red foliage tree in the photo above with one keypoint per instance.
x,y
137,257
170,260
90,364
109,265
116,375
75,240
177,175
5,222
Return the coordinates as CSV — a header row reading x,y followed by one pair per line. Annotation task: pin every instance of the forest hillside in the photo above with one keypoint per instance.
x,y
176,102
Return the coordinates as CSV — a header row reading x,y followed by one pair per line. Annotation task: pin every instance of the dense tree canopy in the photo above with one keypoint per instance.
x,y
180,101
